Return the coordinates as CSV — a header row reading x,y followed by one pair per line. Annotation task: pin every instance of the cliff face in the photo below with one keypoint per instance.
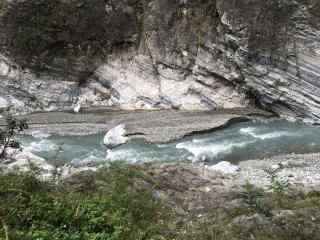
x,y
185,54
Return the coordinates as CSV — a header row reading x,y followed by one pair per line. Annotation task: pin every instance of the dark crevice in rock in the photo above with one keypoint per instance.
x,y
135,134
203,83
226,125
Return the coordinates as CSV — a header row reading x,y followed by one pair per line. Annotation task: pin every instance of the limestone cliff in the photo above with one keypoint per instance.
x,y
181,54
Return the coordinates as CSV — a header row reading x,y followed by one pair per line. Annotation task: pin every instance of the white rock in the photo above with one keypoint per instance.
x,y
185,53
115,136
77,108
22,160
4,68
224,167
67,170
81,102
275,167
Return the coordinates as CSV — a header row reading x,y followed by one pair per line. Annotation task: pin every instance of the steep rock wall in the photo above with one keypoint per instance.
x,y
191,54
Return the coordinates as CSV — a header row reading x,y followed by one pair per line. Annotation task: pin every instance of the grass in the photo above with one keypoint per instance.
x,y
96,206
120,202
261,216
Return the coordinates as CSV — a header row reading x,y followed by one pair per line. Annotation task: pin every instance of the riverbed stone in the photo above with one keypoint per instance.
x,y
23,160
225,167
115,136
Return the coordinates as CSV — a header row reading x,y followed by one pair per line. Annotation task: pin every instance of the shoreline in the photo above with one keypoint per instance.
x,y
161,126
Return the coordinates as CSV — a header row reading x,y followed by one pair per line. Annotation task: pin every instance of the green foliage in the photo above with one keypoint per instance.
x,y
117,203
93,206
251,194
253,197
277,185
2,6
13,125
297,218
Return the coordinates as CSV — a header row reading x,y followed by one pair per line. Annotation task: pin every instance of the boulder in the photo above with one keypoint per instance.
x,y
77,108
225,167
20,159
115,136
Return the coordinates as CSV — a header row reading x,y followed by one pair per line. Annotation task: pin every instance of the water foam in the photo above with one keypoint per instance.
x,y
248,131
122,155
42,146
274,135
211,149
251,131
94,157
40,134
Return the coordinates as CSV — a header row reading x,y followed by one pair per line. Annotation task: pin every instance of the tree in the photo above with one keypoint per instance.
x,y
7,135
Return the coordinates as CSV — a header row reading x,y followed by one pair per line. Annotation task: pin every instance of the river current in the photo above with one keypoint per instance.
x,y
241,141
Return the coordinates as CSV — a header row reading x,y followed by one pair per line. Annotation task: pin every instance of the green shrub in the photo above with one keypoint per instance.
x,y
7,135
2,6
254,198
93,206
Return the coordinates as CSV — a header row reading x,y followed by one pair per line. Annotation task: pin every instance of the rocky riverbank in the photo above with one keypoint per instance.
x,y
177,202
153,126
301,171
166,126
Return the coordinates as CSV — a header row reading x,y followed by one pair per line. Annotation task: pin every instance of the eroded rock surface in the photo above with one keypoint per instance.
x,y
194,55
153,126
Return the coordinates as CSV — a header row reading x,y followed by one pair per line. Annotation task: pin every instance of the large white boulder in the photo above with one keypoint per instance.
x,y
115,136
224,167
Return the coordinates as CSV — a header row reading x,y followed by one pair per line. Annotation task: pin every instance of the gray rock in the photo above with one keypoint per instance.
x,y
115,137
23,160
196,62
153,126
225,167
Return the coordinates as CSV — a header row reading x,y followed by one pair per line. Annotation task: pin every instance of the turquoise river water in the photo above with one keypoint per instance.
x,y
241,141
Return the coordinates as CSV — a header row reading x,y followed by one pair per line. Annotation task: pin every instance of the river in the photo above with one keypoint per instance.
x,y
241,141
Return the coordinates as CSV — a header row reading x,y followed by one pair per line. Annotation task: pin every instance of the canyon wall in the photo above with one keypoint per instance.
x,y
179,54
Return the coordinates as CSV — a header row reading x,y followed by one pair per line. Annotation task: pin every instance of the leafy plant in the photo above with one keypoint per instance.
x,y
2,6
105,205
7,135
253,197
277,185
